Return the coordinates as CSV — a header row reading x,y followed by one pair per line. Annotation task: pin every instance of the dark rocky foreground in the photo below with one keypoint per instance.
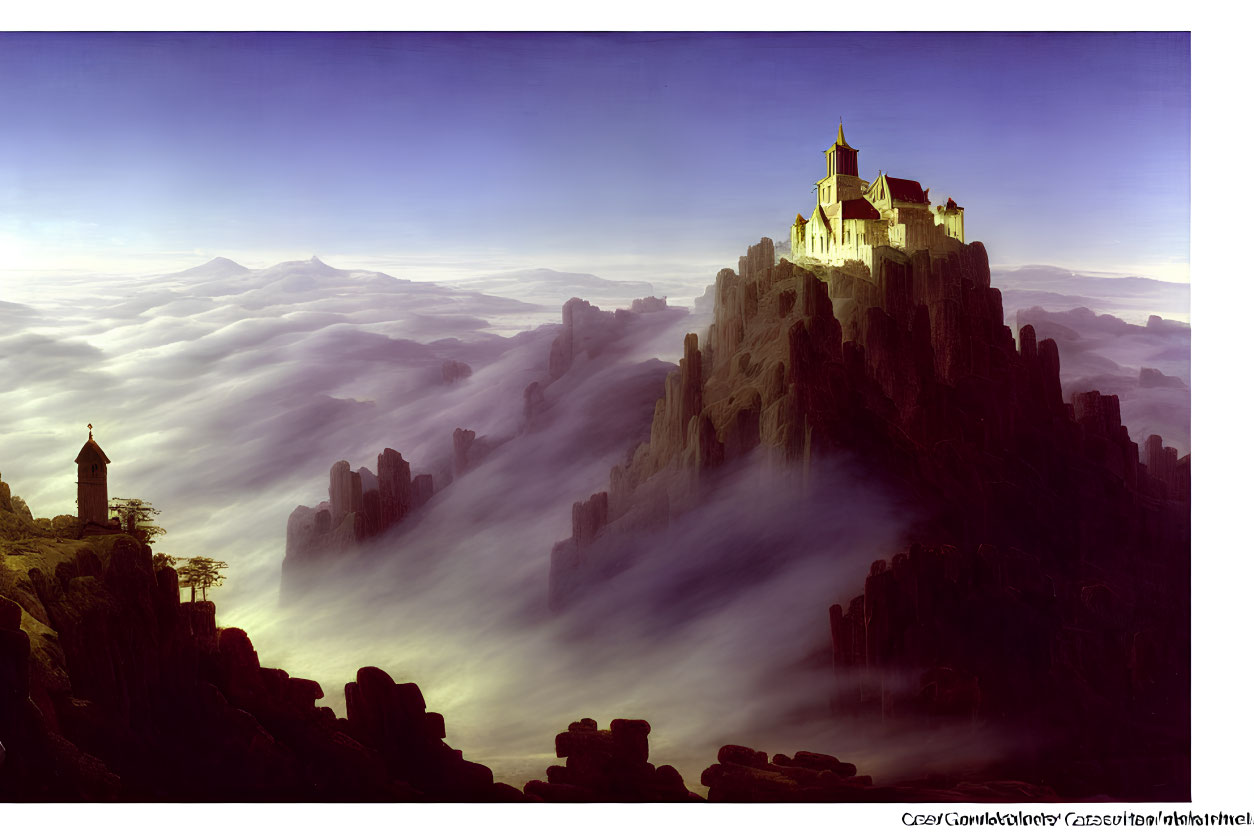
x,y
110,689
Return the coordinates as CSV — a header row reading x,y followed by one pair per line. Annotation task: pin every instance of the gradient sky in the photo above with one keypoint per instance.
x,y
577,151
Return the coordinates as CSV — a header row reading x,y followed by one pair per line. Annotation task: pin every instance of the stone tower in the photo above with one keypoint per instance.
x,y
93,487
842,158
841,180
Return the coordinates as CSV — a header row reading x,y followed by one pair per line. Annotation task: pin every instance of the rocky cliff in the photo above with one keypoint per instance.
x,y
362,505
111,689
1048,587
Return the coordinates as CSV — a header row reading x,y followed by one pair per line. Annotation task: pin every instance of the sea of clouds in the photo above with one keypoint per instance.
x,y
224,394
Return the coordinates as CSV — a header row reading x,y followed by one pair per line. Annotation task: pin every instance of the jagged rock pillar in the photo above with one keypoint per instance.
x,y
395,487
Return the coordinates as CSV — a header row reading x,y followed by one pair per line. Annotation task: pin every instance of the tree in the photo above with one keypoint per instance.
x,y
202,573
161,560
137,517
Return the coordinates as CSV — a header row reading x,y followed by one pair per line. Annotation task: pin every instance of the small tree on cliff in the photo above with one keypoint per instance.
x,y
202,573
137,517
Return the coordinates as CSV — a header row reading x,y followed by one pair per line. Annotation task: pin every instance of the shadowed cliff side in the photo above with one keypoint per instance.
x,y
1049,587
111,689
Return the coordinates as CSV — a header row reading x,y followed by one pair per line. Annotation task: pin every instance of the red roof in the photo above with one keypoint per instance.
x,y
908,190
858,209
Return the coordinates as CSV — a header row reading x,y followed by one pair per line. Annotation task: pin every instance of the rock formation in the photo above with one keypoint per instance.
x,y
1169,474
395,488
113,690
1026,501
608,765
587,330
743,774
454,370
462,441
361,506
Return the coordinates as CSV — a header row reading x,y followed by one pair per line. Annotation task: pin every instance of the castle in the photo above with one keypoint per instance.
x,y
851,216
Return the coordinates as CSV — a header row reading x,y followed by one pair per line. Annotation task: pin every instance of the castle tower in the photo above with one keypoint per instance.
x,y
93,488
841,180
842,158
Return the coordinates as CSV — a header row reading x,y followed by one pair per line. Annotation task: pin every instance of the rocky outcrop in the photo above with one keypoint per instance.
x,y
111,689
393,720
649,304
1025,502
462,442
608,765
395,488
1168,474
454,370
345,492
743,774
919,376
587,330
583,330
361,506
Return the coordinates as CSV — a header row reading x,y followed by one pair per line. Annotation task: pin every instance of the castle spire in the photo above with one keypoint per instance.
x,y
842,158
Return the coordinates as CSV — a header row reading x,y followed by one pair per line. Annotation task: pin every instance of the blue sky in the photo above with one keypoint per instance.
x,y
577,150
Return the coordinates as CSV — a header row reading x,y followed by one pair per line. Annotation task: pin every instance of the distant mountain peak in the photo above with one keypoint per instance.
x,y
216,267
312,266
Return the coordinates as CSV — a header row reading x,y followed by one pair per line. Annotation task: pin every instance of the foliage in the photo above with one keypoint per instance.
x,y
21,508
66,526
201,573
137,517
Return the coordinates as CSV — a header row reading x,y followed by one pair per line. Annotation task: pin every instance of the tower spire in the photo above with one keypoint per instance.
x,y
840,134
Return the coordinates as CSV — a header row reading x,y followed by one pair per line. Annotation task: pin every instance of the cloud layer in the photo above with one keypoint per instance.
x,y
224,395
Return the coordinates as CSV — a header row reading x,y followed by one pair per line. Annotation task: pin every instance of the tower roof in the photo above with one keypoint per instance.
x,y
91,448
840,136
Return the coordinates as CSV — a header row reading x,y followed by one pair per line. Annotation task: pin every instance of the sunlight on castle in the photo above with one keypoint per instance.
x,y
851,216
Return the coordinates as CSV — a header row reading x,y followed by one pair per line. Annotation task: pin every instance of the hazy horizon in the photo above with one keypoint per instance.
x,y
145,152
